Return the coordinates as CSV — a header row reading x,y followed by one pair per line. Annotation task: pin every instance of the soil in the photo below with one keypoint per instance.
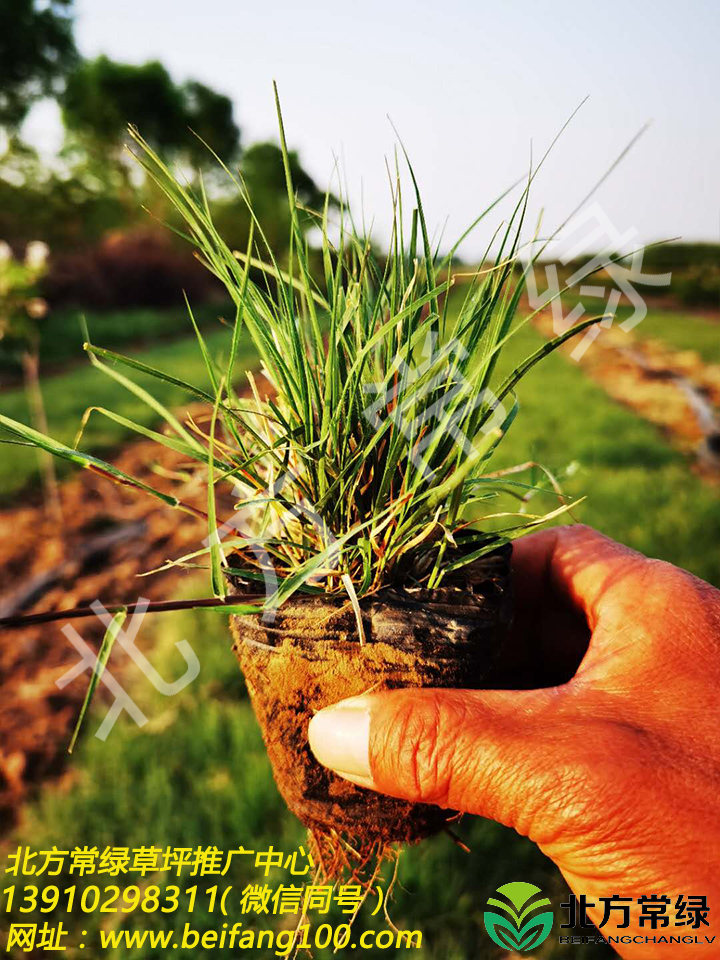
x,y
673,389
110,534
311,656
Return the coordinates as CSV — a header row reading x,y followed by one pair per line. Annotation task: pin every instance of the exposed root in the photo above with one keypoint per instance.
x,y
456,839
356,860
311,657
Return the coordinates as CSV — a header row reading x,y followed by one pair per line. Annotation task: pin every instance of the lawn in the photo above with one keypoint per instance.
x,y
637,488
62,334
68,395
679,329
197,774
683,330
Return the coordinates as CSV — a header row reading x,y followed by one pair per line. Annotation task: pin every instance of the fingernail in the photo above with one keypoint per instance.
x,y
340,739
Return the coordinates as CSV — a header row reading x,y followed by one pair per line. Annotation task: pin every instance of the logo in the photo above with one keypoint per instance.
x,y
519,927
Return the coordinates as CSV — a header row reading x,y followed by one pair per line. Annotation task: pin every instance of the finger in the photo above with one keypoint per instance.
x,y
549,635
559,577
576,563
500,755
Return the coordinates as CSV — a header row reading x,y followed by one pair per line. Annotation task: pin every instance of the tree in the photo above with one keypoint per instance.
x,y
264,173
264,176
36,50
20,314
102,97
67,210
209,115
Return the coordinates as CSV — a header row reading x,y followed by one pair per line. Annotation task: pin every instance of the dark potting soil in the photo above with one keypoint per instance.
x,y
311,656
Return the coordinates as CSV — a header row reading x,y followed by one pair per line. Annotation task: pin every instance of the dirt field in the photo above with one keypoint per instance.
x,y
110,535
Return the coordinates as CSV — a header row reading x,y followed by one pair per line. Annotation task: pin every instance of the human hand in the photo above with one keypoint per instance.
x,y
611,764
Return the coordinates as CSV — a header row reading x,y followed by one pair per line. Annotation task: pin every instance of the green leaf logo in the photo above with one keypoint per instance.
x,y
518,930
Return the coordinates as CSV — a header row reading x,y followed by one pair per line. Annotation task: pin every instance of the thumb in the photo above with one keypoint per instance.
x,y
492,753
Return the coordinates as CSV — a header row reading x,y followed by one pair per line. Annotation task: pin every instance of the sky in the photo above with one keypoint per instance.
x,y
470,86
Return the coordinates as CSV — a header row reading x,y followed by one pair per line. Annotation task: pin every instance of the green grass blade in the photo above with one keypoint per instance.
x,y
103,656
217,580
86,460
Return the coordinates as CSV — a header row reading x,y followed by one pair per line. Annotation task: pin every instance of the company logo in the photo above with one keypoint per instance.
x,y
519,926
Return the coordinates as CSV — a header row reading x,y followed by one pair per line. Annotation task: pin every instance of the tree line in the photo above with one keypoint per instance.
x,y
93,187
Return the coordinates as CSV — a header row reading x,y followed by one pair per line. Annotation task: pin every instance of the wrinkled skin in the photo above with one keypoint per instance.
x,y
613,766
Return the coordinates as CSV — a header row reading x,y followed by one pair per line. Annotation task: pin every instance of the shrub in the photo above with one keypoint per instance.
x,y
138,268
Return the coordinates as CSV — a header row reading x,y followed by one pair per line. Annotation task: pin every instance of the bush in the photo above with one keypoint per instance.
x,y
698,286
681,257
695,269
139,268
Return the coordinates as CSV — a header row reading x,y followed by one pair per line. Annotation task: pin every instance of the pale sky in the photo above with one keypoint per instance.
x,y
469,85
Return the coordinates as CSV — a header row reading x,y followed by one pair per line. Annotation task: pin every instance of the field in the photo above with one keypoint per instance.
x,y
66,394
678,329
374,250
638,489
198,773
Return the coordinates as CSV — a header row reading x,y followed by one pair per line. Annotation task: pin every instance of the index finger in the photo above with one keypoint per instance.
x,y
574,562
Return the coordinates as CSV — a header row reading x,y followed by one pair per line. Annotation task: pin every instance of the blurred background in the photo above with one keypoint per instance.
x,y
474,91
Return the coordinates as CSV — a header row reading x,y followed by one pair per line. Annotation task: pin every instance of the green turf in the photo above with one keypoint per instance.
x,y
62,335
679,329
197,775
67,396
684,331
638,489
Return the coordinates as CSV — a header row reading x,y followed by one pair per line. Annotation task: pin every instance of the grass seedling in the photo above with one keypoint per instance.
x,y
362,459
